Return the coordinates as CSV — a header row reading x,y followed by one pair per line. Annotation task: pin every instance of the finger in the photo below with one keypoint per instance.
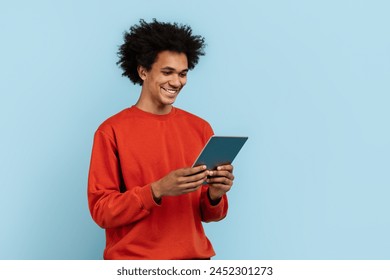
x,y
226,174
219,180
227,167
193,170
193,178
220,187
190,190
194,184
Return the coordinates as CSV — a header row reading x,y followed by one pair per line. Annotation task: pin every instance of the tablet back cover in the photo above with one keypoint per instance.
x,y
220,150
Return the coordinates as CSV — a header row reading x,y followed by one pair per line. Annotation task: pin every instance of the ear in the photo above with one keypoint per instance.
x,y
142,72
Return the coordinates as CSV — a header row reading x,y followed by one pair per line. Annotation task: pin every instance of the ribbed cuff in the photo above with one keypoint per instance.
x,y
146,197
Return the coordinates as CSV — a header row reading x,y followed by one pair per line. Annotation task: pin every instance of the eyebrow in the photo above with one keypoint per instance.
x,y
173,69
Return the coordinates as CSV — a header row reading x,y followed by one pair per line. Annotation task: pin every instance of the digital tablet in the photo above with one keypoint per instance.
x,y
220,150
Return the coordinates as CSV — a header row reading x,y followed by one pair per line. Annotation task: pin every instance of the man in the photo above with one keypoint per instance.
x,y
141,188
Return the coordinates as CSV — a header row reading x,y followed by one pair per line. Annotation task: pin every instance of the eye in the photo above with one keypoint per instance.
x,y
183,74
166,73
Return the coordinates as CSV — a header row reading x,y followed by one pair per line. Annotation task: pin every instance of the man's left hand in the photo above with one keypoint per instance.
x,y
220,181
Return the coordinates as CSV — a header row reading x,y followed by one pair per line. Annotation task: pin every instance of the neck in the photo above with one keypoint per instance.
x,y
156,109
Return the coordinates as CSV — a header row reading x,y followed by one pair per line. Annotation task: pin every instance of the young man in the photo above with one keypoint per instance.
x,y
141,188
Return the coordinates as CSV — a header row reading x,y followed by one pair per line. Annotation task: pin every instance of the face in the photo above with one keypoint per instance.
x,y
163,82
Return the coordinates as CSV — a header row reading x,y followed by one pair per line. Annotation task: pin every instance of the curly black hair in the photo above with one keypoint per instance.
x,y
144,41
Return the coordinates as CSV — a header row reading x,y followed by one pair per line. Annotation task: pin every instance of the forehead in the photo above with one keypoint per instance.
x,y
171,59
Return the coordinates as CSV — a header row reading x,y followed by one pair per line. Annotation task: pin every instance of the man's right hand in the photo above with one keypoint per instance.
x,y
180,181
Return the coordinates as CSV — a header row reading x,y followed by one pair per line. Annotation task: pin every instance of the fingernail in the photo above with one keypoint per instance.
x,y
211,173
219,167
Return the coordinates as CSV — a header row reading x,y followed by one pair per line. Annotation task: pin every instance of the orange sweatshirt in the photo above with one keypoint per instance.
x,y
131,150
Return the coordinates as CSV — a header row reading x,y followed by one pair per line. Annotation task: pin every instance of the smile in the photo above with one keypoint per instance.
x,y
170,91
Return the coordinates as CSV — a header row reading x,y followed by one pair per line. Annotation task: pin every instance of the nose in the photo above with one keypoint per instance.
x,y
176,81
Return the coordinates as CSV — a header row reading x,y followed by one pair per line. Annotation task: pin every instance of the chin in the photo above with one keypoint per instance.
x,y
168,101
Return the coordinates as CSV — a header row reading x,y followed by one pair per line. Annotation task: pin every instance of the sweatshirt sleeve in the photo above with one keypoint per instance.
x,y
109,206
209,212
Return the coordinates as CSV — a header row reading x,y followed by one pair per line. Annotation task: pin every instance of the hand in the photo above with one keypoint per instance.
x,y
220,181
180,181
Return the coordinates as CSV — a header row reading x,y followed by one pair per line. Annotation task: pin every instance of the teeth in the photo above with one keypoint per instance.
x,y
170,90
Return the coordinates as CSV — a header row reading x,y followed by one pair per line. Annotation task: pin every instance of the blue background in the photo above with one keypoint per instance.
x,y
307,81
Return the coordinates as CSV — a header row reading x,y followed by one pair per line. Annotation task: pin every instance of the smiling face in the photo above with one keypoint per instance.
x,y
163,82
